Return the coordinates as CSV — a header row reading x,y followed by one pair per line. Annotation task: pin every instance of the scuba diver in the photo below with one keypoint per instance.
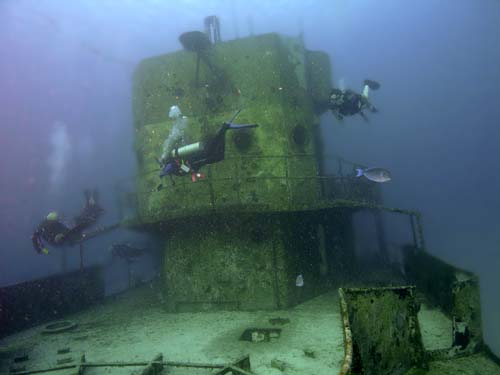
x,y
190,158
52,231
348,103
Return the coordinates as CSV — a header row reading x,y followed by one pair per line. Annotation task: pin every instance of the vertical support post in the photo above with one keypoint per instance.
x,y
320,160
276,284
80,367
197,75
414,231
217,38
323,266
381,237
420,231
340,242
129,274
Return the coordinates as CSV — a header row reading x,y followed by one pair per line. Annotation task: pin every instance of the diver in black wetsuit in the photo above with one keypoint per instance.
x,y
53,232
348,103
190,158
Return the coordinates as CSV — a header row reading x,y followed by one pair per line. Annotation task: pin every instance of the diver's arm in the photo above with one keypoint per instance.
x,y
36,240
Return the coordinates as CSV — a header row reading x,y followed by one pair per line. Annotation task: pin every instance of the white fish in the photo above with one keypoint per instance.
x,y
299,281
374,174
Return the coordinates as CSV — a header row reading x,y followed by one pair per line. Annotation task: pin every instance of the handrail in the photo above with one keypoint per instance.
x,y
186,182
283,156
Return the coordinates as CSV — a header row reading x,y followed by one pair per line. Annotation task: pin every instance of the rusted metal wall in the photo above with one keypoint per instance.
x,y
37,301
456,292
386,337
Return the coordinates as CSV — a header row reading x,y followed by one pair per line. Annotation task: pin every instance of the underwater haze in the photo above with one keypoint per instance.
x,y
66,112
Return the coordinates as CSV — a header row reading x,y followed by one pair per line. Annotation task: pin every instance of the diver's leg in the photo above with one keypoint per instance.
x,y
37,242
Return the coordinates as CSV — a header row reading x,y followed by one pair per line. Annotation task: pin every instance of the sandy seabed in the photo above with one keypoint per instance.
x,y
134,327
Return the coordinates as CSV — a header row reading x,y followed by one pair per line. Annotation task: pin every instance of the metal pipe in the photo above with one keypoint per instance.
x,y
123,364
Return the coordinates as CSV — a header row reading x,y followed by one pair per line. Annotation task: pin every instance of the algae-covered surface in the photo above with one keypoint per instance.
x,y
266,168
255,71
385,328
277,84
134,326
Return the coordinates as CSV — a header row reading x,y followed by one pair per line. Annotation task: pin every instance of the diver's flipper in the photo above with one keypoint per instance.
x,y
242,126
373,85
364,116
230,125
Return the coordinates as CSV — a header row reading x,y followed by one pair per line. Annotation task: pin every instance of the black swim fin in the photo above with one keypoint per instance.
x,y
373,85
242,126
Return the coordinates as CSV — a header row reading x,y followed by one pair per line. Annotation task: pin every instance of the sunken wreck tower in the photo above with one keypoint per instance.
x,y
238,238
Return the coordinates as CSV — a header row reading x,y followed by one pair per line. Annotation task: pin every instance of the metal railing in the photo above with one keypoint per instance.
x,y
341,189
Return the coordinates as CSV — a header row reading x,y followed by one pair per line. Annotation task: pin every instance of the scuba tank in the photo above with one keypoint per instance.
x,y
182,152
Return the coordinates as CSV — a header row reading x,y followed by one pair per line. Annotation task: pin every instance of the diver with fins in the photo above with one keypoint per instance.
x,y
54,232
349,103
188,159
